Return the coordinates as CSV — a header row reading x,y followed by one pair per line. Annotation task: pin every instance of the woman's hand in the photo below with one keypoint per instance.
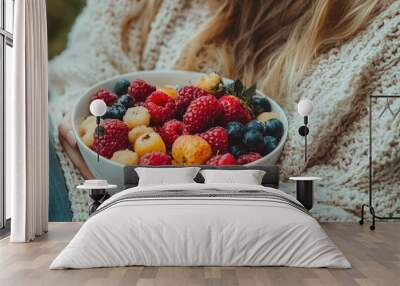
x,y
68,142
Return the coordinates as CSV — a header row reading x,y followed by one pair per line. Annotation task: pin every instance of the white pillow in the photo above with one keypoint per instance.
x,y
166,176
248,177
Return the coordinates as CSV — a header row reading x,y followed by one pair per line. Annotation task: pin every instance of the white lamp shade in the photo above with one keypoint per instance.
x,y
98,107
305,107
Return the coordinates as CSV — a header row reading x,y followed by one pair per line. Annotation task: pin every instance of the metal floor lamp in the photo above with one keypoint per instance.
x,y
370,204
304,108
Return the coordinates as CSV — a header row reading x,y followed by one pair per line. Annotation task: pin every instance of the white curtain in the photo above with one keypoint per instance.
x,y
27,124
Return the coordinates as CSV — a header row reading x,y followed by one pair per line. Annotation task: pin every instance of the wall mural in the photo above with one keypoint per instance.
x,y
160,118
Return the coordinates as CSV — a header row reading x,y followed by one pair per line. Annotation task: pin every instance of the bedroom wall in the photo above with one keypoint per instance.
x,y
131,119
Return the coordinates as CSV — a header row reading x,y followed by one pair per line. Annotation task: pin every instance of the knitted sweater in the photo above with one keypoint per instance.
x,y
105,41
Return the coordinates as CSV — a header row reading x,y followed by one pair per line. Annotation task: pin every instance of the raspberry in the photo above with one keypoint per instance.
x,y
171,130
186,95
104,94
161,107
234,110
140,90
202,113
155,159
248,158
217,138
221,160
113,137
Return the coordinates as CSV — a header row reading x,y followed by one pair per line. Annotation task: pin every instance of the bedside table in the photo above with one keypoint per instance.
x,y
304,190
97,192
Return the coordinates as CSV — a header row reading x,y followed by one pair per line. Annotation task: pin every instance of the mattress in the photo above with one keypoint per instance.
x,y
201,225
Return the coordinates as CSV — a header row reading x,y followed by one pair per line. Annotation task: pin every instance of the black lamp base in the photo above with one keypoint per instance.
x,y
98,196
305,193
303,130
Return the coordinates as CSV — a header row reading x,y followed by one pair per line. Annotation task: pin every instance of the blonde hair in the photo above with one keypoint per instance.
x,y
274,42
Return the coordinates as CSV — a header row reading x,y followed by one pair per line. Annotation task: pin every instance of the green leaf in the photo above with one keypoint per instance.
x,y
251,91
238,87
230,87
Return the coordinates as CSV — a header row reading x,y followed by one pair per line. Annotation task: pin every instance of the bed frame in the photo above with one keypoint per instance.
x,y
271,177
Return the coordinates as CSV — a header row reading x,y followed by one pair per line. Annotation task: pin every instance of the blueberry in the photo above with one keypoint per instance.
x,y
270,143
235,132
254,140
254,125
116,111
259,104
121,87
238,150
126,100
274,127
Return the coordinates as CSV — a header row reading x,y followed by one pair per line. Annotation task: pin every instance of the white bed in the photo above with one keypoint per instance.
x,y
267,229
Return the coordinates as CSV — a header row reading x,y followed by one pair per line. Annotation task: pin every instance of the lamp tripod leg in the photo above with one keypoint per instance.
x,y
361,221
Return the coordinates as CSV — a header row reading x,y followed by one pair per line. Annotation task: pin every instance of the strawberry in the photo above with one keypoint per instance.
x,y
140,90
113,137
234,110
221,160
171,130
217,138
186,95
155,159
248,158
104,94
202,113
161,107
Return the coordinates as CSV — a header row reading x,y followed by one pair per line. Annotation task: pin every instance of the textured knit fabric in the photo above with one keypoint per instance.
x,y
59,204
105,41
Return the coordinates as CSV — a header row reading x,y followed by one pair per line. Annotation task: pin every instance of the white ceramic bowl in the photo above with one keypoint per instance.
x,y
112,171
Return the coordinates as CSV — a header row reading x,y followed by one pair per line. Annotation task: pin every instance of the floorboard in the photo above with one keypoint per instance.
x,y
375,257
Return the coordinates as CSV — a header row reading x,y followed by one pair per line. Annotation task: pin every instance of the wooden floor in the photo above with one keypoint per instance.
x,y
375,257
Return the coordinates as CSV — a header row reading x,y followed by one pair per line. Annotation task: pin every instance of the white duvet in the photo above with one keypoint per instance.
x,y
200,231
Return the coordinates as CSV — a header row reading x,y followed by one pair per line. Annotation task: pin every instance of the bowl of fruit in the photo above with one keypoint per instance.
x,y
177,118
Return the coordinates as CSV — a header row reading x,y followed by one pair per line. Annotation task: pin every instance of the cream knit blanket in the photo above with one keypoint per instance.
x,y
105,41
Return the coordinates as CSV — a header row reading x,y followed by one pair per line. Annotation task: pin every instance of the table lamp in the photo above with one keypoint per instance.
x,y
304,108
98,108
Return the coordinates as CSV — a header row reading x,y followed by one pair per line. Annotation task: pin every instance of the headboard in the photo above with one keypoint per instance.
x,y
271,177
